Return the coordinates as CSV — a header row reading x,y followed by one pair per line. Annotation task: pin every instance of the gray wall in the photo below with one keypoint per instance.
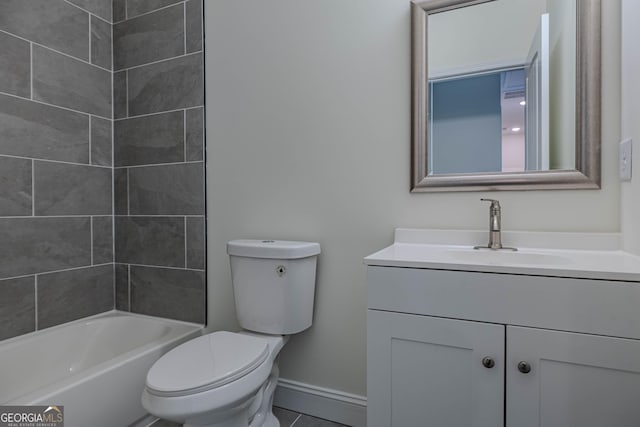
x,y
466,126
158,158
60,174
56,256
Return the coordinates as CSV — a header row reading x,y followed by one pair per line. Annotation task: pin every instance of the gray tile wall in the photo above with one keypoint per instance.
x,y
56,168
159,176
97,212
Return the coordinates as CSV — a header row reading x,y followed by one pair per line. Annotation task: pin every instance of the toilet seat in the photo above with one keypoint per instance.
x,y
206,363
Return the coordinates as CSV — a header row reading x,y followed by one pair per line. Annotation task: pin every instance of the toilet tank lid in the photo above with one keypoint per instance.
x,y
274,249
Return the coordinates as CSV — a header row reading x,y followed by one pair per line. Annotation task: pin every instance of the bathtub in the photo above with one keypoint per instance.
x,y
96,367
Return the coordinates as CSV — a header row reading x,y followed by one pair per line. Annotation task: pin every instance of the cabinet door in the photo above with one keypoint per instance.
x,y
575,380
428,371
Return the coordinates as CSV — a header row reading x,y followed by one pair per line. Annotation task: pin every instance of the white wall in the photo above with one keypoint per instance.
x,y
630,196
471,39
512,152
308,138
562,88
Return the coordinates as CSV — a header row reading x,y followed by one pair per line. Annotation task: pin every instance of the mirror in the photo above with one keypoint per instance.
x,y
505,95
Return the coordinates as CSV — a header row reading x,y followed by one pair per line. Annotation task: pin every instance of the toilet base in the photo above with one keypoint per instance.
x,y
271,421
256,412
264,417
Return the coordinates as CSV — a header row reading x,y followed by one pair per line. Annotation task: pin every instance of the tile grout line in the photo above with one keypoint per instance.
x,y
160,266
91,237
151,11
60,161
90,134
35,284
128,202
90,41
143,216
70,216
296,420
129,286
156,113
89,12
31,70
113,289
21,276
184,134
33,188
84,61
158,164
37,101
113,170
159,61
126,92
184,27
185,243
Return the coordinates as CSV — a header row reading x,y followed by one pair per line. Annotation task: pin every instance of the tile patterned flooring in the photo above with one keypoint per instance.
x,y
287,419
293,419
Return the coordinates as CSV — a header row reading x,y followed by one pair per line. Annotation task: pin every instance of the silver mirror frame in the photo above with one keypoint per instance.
x,y
588,112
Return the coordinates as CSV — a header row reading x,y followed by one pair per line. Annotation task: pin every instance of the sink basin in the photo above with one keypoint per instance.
x,y
579,255
505,257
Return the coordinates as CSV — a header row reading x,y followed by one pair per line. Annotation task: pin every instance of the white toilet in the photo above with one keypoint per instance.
x,y
228,379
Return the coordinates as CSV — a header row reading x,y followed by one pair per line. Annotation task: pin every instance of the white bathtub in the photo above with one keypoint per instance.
x,y
95,367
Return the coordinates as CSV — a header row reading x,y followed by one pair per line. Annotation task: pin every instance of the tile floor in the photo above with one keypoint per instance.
x,y
287,419
294,419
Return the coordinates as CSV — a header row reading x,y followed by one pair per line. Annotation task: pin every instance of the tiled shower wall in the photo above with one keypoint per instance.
x,y
60,173
56,245
159,158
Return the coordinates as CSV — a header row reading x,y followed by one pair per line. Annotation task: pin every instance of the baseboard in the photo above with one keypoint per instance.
x,y
332,405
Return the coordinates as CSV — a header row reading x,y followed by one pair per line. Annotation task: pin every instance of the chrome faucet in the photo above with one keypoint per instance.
x,y
495,234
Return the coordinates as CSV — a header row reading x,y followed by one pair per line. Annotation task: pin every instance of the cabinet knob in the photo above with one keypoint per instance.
x,y
488,362
524,367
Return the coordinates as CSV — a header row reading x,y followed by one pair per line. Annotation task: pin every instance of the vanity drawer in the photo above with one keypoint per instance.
x,y
580,305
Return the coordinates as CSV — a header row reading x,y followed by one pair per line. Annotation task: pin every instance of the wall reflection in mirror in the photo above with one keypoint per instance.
x,y
502,87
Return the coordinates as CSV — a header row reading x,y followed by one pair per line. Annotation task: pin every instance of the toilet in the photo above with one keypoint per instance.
x,y
228,379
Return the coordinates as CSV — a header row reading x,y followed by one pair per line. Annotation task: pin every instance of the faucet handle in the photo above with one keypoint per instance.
x,y
495,204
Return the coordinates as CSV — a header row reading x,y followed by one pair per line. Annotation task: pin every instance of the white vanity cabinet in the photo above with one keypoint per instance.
x,y
575,379
478,349
428,371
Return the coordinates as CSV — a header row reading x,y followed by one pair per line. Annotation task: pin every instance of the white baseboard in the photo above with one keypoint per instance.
x,y
332,405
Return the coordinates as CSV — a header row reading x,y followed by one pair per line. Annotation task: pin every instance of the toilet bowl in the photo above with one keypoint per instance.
x,y
228,379
213,379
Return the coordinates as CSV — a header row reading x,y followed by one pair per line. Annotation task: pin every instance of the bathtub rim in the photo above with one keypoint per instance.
x,y
104,314
48,390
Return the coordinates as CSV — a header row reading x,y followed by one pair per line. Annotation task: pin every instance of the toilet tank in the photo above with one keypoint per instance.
x,y
273,284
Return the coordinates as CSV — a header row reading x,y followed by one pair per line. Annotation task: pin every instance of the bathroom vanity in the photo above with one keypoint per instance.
x,y
537,337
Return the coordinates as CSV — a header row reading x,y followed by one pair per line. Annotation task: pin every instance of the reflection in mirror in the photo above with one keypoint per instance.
x,y
498,100
485,61
477,123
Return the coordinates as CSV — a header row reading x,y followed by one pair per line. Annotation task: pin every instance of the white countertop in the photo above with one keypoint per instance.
x,y
580,255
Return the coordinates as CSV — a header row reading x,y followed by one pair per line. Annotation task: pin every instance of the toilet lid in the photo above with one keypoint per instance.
x,y
206,362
